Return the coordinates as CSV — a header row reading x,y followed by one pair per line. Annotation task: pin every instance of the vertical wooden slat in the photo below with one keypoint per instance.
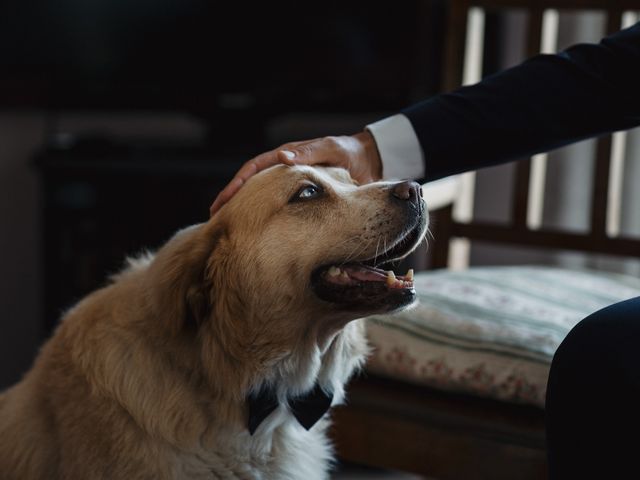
x,y
442,222
460,248
455,40
614,193
600,186
471,74
521,194
538,172
603,159
523,168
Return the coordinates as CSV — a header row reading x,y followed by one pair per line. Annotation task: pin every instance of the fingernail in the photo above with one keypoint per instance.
x,y
289,154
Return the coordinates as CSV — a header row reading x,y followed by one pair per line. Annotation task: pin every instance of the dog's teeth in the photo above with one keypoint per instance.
x,y
391,278
345,276
334,271
409,275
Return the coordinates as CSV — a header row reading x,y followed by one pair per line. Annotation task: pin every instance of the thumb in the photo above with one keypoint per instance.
x,y
305,154
288,157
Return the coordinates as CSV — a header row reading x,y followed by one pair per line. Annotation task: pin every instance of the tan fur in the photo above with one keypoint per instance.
x,y
147,377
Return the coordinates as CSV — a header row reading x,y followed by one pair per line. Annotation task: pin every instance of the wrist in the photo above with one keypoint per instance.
x,y
370,150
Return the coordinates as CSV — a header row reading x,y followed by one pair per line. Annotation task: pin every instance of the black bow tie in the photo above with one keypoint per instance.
x,y
307,408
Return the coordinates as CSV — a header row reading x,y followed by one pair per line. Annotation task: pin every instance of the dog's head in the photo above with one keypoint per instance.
x,y
312,237
292,258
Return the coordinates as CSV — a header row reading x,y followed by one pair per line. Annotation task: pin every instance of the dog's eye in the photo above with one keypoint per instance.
x,y
307,192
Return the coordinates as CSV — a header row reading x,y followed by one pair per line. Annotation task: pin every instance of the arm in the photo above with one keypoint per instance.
x,y
544,103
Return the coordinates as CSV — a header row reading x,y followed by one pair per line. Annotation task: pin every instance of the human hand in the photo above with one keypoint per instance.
x,y
356,153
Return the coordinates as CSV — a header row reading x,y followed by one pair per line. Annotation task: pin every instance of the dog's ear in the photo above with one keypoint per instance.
x,y
180,290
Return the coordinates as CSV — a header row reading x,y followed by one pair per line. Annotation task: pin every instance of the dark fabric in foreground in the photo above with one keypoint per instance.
x,y
593,397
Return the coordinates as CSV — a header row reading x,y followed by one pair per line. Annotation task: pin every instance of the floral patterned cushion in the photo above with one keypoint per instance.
x,y
490,331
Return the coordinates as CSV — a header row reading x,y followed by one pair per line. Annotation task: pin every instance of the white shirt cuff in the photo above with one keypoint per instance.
x,y
399,148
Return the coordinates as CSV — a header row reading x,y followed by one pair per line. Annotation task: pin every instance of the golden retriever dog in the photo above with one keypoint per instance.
x,y
219,355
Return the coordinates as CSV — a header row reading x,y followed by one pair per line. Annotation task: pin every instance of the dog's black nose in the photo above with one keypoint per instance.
x,y
408,191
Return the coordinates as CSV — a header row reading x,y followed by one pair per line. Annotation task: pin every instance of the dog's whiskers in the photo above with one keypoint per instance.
x,y
347,240
358,249
355,253
425,239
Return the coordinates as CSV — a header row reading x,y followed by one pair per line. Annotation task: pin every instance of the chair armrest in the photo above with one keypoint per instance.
x,y
441,193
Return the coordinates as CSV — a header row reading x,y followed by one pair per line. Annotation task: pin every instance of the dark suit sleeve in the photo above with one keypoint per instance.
x,y
544,103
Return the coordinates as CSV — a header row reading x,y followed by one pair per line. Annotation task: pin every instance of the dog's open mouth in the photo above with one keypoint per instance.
x,y
360,274
364,285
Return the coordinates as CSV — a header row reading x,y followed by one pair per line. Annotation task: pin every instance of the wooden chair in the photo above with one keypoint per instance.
x,y
393,423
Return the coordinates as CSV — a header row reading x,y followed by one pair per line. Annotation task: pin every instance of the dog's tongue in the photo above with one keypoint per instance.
x,y
366,274
352,274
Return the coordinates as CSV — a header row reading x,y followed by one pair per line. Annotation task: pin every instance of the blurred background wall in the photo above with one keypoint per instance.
x,y
20,134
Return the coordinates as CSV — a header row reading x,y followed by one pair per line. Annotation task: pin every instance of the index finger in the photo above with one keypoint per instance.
x,y
250,168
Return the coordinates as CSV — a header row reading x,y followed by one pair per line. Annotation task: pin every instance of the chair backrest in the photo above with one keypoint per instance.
x,y
464,58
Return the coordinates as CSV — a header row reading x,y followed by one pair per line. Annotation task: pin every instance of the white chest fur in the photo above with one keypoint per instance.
x,y
280,449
